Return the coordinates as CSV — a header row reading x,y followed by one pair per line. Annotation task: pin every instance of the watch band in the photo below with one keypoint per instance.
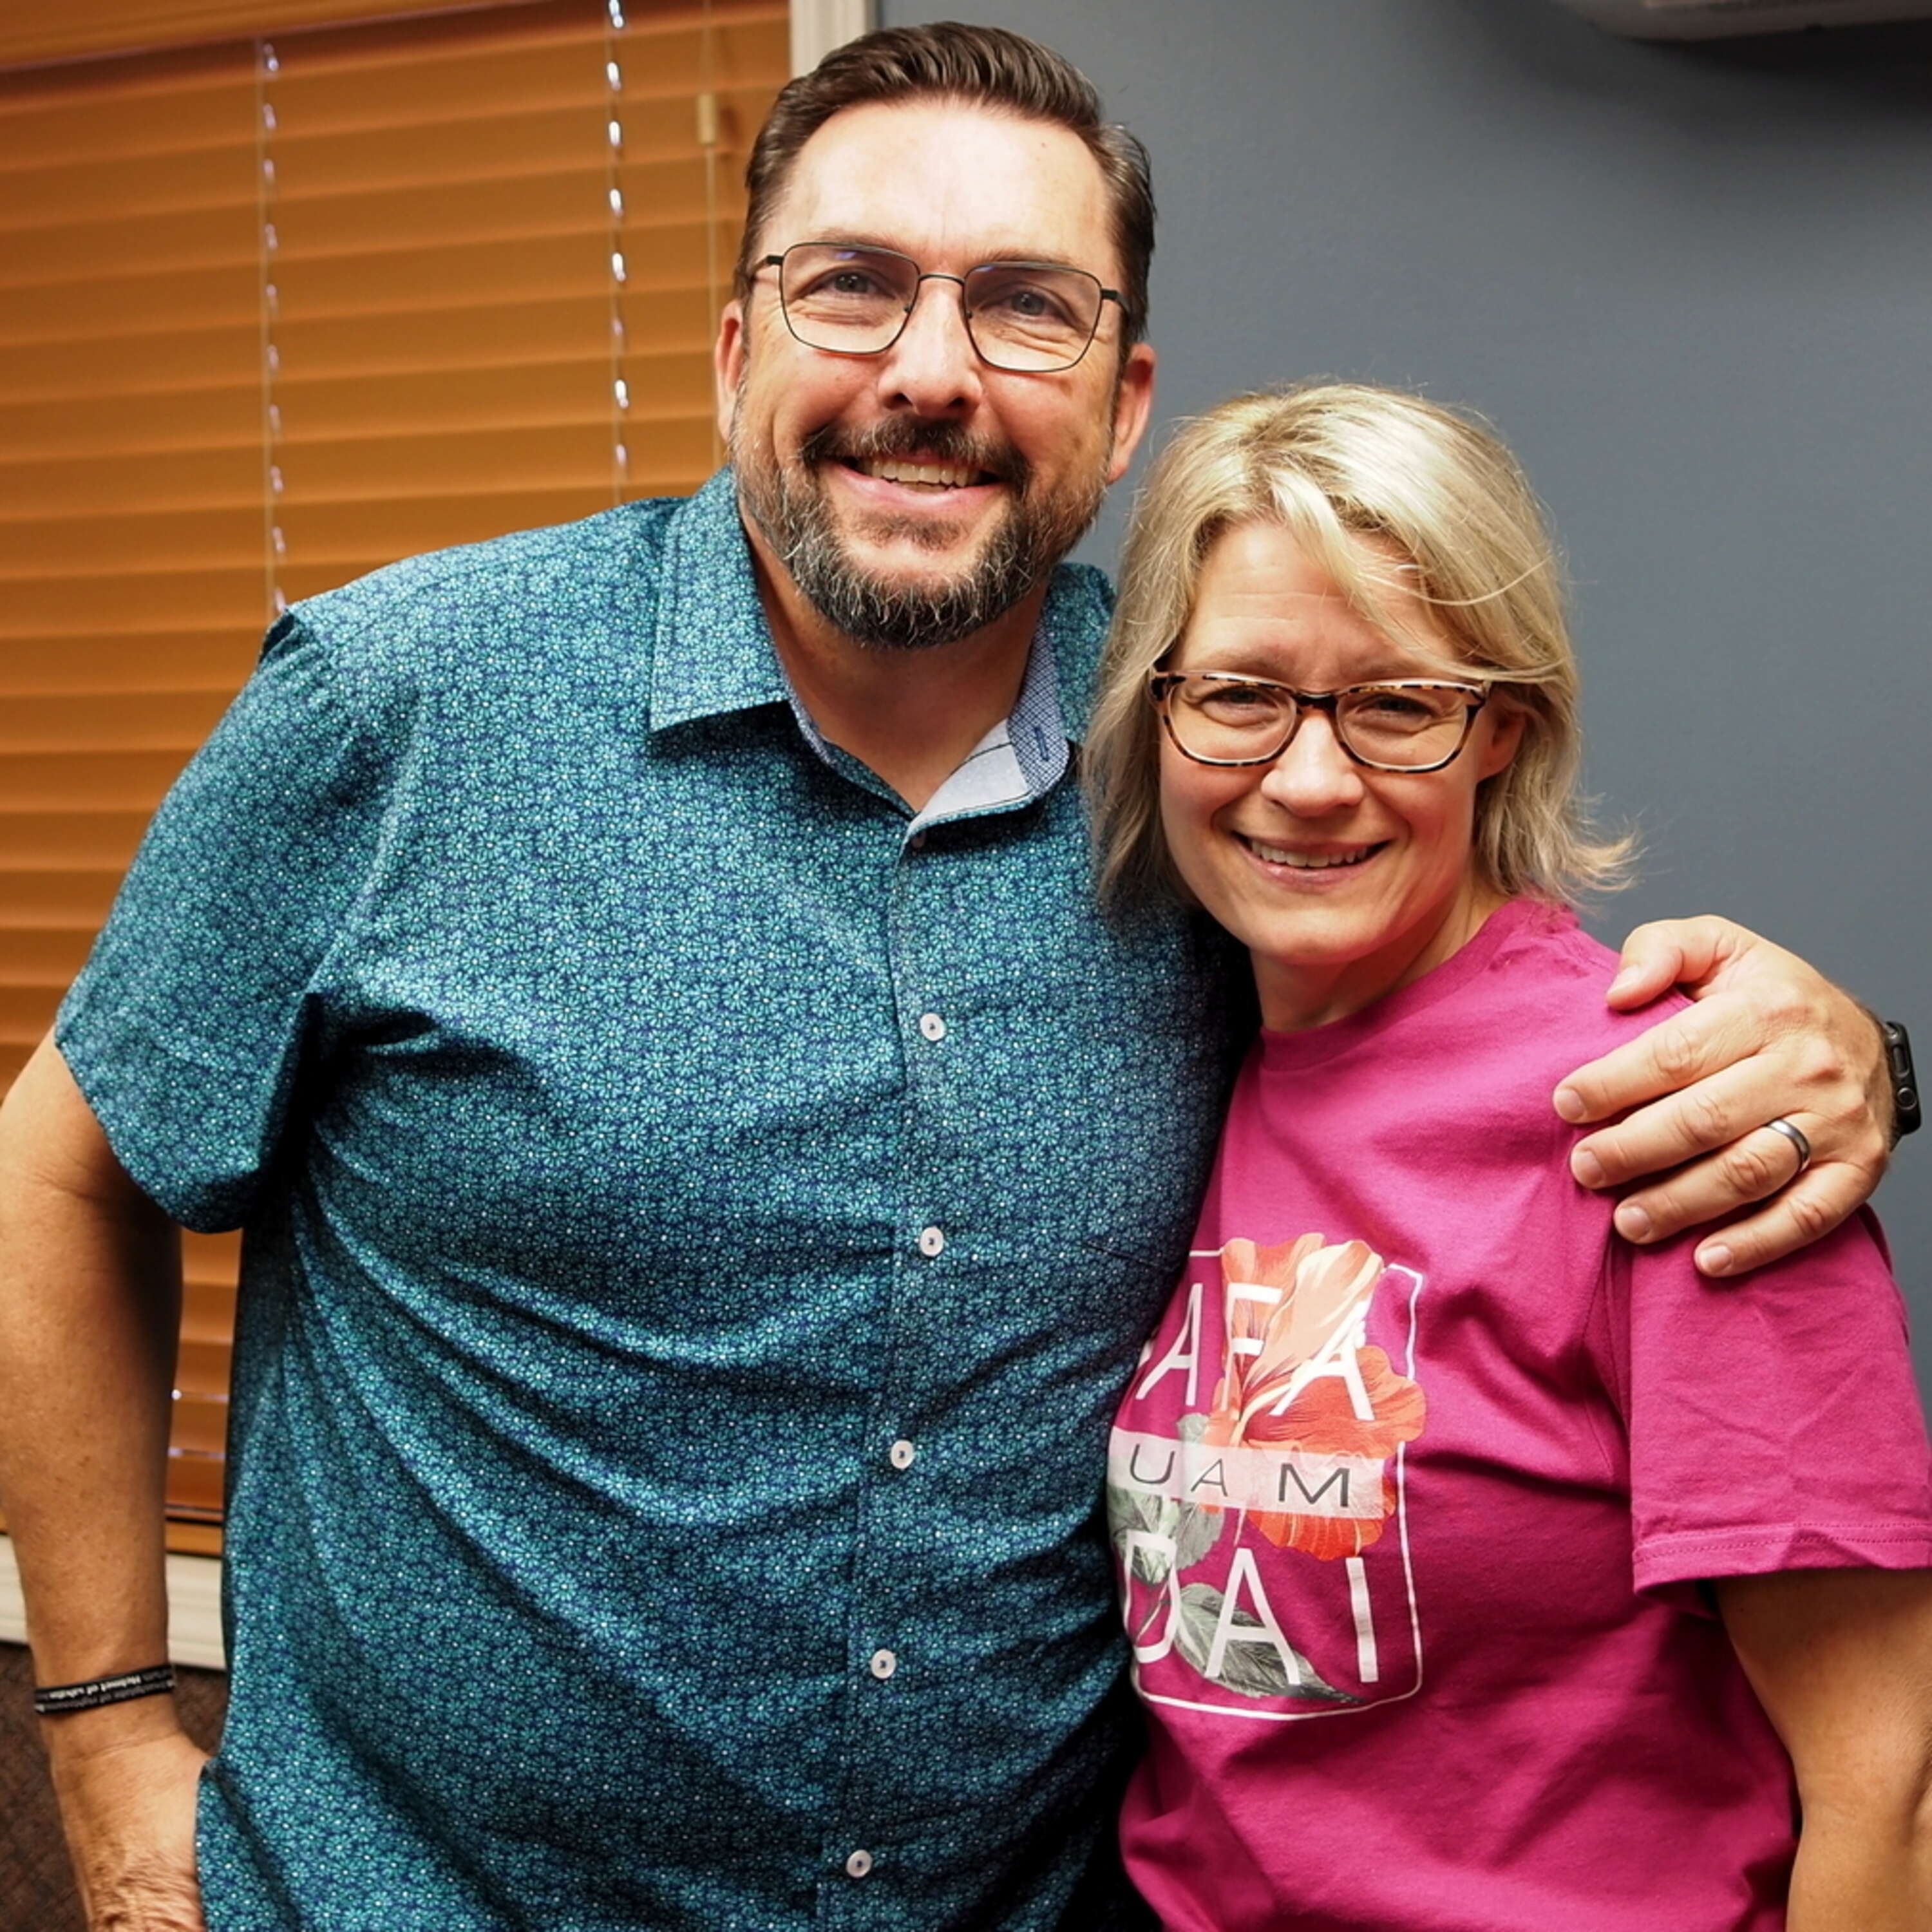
x,y
1905,1113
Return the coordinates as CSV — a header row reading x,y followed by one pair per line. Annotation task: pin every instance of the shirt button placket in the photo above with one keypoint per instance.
x,y
882,1703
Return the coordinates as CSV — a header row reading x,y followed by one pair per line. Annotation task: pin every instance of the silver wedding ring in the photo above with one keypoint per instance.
x,y
1795,1135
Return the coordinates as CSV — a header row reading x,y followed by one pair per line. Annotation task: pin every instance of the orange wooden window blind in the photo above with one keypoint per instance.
x,y
275,312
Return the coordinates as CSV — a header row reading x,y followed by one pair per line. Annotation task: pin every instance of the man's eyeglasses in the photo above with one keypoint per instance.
x,y
1036,316
1408,724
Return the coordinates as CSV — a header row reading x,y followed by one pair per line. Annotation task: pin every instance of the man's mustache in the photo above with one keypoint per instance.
x,y
941,442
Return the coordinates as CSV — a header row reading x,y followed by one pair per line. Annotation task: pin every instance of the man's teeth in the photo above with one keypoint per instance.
x,y
1308,862
934,475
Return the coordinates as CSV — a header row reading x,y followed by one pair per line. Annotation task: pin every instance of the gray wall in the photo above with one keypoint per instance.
x,y
1691,285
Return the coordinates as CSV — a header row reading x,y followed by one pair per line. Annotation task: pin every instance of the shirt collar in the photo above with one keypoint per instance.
x,y
712,653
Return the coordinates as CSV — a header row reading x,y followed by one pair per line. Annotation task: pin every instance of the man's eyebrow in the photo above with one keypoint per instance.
x,y
1044,259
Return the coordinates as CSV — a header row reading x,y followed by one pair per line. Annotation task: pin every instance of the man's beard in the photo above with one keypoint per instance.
x,y
793,510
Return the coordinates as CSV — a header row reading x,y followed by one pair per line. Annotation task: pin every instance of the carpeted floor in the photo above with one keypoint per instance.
x,y
36,1888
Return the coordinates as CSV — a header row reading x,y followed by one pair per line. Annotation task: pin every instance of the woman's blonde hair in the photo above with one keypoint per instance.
x,y
1452,521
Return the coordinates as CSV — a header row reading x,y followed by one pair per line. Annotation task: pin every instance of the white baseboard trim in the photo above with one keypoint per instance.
x,y
194,1608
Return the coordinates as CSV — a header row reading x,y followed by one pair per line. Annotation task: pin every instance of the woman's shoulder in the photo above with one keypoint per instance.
x,y
1546,983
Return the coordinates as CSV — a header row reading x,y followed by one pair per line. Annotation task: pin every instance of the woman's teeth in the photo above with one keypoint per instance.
x,y
931,475
1308,862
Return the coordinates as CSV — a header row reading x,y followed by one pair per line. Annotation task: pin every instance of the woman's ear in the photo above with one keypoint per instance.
x,y
1507,721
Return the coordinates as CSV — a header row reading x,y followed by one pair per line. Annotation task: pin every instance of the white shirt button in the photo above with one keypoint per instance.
x,y
858,1864
931,1240
932,1026
902,1453
883,1664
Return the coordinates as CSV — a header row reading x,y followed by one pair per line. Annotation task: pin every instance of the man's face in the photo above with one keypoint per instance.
x,y
916,496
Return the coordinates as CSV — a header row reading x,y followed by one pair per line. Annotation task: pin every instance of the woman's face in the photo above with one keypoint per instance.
x,y
1343,883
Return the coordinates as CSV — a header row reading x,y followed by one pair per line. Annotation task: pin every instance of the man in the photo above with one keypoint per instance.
x,y
706,1169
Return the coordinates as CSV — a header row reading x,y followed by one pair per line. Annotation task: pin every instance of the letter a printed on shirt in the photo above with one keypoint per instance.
x,y
1264,1541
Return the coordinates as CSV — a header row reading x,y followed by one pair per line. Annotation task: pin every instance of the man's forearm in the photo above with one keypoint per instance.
x,y
90,1296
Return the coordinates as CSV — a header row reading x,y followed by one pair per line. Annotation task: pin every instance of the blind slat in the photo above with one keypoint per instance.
x,y
196,657
201,1368
70,550
46,956
348,410
219,297
88,781
94,837
117,722
233,600
65,898
478,335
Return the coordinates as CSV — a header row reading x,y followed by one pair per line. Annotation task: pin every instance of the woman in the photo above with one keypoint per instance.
x,y
1481,1570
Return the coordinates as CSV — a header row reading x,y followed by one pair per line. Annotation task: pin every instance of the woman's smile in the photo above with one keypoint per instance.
x,y
1309,859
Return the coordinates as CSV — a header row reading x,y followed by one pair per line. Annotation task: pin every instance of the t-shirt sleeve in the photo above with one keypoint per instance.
x,y
186,1028
1774,1422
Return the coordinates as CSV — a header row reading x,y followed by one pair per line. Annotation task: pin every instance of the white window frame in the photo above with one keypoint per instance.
x,y
818,26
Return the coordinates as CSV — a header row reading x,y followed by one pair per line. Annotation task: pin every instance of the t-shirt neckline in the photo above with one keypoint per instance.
x,y
1281,1050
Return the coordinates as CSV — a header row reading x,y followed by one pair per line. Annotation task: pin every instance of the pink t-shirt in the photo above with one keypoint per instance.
x,y
1415,1483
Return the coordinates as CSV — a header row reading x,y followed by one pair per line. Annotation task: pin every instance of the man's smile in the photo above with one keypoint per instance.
x,y
923,475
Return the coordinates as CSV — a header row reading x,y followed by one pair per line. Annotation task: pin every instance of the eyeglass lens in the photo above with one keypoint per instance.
x,y
1403,726
1020,315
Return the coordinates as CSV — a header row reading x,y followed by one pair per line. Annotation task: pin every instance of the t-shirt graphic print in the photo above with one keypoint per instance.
x,y
1262,1535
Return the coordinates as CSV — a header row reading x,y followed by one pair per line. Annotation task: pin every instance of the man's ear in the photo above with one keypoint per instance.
x,y
728,364
1133,402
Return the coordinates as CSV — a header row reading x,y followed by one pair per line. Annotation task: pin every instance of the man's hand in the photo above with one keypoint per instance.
x,y
1768,1037
128,1808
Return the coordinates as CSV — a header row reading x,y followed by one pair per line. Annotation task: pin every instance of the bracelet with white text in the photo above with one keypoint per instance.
x,y
58,1700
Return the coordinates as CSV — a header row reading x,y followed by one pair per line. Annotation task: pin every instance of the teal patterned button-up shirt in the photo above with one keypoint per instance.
x,y
699,1217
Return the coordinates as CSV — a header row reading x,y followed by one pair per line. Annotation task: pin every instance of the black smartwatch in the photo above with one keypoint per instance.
x,y
1905,1113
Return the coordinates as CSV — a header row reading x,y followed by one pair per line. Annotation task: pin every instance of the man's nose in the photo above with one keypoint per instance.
x,y
1313,774
933,367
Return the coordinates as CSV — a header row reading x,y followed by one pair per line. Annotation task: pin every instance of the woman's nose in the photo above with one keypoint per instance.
x,y
1313,774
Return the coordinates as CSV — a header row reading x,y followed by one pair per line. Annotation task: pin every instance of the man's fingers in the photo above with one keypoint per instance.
x,y
1700,1047
1802,1081
1669,952
1753,1168
1792,1220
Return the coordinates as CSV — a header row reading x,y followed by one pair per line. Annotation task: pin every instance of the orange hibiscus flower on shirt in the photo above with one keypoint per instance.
x,y
1297,1375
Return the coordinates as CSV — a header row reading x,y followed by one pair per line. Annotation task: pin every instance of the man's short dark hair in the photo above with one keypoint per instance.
x,y
978,66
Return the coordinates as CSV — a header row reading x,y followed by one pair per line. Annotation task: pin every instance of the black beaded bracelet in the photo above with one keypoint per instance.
x,y
57,1700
